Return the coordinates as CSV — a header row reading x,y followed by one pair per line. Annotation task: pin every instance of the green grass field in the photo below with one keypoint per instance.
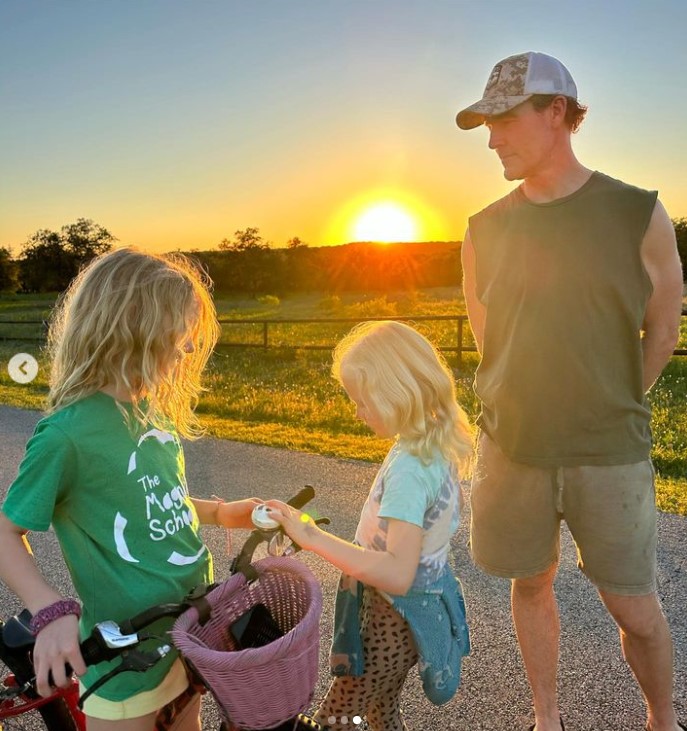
x,y
286,398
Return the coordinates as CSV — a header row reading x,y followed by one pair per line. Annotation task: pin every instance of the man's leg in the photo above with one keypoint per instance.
x,y
648,649
514,534
537,624
611,513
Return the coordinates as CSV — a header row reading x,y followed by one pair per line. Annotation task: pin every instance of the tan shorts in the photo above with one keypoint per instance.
x,y
610,511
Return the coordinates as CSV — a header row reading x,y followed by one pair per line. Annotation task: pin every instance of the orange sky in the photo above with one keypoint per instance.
x,y
175,124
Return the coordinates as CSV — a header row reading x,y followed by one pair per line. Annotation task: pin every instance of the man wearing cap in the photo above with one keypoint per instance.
x,y
573,288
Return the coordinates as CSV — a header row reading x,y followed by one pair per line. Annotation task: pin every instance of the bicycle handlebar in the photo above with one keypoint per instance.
x,y
110,640
302,498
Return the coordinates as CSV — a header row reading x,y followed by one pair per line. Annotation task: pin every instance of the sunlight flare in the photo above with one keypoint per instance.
x,y
385,222
384,215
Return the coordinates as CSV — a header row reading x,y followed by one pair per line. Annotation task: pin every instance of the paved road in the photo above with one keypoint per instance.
x,y
596,689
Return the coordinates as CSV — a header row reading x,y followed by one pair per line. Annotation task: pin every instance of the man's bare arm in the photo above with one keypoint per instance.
x,y
476,311
662,317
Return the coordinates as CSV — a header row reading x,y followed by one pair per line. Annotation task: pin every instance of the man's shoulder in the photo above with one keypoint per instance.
x,y
499,207
604,181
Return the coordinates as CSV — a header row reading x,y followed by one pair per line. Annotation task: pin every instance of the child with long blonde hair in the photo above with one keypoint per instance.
x,y
398,601
128,342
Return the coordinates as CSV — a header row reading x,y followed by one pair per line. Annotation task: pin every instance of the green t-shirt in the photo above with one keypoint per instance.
x,y
120,508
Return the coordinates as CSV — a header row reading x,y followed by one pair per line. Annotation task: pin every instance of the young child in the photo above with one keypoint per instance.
x,y
105,468
398,601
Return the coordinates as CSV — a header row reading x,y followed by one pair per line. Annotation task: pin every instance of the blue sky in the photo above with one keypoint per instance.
x,y
174,123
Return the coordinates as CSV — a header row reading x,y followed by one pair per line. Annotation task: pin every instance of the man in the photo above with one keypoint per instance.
x,y
573,288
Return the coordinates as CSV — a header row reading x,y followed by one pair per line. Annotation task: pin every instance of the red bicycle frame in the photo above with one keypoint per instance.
x,y
23,704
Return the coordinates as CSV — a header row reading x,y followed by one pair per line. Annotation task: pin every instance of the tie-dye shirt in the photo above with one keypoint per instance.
x,y
426,495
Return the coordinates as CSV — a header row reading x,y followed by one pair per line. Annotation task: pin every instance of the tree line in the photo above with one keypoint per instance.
x,y
49,260
245,264
248,264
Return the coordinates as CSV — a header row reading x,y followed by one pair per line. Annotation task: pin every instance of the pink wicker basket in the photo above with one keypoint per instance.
x,y
260,687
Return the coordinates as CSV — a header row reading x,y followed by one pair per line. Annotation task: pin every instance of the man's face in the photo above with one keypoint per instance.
x,y
523,139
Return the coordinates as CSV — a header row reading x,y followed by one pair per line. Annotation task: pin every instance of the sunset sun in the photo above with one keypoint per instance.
x,y
384,215
385,222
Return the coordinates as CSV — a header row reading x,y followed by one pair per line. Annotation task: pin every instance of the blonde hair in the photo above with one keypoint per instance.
x,y
123,322
405,379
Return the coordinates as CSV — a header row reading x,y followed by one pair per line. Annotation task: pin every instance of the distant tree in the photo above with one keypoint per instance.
x,y
299,266
248,239
44,264
8,271
86,239
250,261
681,236
50,260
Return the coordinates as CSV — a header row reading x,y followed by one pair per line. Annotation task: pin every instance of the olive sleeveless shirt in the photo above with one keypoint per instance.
x,y
565,292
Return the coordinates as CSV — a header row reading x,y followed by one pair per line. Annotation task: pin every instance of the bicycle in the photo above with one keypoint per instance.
x,y
22,708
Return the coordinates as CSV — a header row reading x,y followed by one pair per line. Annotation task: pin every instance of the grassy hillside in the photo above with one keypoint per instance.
x,y
286,398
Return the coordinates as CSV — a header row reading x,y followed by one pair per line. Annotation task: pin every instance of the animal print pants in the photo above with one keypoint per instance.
x,y
389,655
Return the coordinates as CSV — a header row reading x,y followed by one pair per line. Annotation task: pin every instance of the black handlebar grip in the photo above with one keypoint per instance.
x,y
94,651
302,498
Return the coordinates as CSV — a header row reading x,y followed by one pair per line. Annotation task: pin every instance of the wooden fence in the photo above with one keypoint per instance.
x,y
265,341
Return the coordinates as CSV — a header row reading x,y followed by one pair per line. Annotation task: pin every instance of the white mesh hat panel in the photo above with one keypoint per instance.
x,y
547,75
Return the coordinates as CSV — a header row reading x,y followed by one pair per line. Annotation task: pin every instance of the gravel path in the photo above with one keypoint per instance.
x,y
596,689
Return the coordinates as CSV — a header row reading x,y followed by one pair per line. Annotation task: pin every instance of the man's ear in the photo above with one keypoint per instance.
x,y
557,109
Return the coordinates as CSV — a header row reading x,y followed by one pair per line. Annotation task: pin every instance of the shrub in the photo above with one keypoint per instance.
x,y
330,303
269,300
379,307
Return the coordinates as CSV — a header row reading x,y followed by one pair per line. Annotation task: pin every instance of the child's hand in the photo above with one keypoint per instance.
x,y
299,526
57,644
237,514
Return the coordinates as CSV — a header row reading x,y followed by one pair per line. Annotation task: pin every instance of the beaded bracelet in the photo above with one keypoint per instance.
x,y
62,608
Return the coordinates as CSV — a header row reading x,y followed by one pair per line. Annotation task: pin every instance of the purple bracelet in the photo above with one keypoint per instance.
x,y
45,616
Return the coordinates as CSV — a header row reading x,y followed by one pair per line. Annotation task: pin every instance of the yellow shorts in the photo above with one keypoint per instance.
x,y
141,704
610,510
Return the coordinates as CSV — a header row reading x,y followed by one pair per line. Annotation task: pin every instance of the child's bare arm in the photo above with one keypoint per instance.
x,y
235,514
58,642
392,570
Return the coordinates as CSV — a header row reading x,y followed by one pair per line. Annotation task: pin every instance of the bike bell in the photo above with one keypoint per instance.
x,y
261,519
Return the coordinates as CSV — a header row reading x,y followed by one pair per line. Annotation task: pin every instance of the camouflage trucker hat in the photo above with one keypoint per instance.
x,y
513,81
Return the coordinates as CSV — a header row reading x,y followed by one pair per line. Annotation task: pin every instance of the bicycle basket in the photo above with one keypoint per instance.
x,y
258,687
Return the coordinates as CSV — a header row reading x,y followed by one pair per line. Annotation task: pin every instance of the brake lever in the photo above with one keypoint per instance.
x,y
137,661
294,547
265,533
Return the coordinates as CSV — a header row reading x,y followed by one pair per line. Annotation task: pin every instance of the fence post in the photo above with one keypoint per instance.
x,y
460,341
264,335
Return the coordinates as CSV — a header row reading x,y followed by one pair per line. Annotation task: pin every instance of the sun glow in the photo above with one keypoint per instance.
x,y
384,215
385,222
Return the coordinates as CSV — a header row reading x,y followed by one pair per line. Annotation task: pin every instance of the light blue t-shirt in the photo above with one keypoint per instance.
x,y
426,495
